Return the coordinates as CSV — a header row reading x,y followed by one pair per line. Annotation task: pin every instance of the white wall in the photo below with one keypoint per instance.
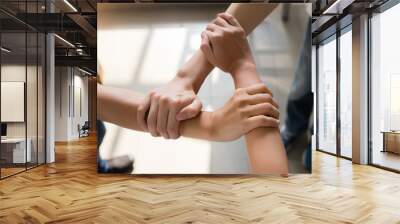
x,y
70,83
33,127
16,73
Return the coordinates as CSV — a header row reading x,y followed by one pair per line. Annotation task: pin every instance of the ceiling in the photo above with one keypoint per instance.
x,y
74,21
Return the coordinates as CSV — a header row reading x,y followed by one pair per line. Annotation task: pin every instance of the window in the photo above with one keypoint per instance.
x,y
346,93
385,89
327,96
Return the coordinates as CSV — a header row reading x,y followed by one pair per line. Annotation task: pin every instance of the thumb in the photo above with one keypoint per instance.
x,y
190,111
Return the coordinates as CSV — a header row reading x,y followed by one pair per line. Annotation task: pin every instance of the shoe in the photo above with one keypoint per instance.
x,y
122,164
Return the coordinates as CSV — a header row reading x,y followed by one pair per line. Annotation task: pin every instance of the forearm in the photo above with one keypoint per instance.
x,y
119,106
196,69
250,15
265,148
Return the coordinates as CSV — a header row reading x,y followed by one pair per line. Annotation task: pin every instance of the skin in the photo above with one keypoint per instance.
x,y
247,109
164,118
225,45
193,73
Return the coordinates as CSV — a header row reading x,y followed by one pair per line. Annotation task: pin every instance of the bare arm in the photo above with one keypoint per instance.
x,y
250,15
195,70
188,80
264,145
234,119
225,45
119,106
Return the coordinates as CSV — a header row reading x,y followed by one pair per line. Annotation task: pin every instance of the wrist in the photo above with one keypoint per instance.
x,y
210,122
243,67
183,79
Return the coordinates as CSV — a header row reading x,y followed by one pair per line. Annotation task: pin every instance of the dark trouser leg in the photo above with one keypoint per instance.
x,y
122,164
300,102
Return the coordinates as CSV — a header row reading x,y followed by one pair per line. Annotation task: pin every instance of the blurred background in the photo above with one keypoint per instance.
x,y
141,48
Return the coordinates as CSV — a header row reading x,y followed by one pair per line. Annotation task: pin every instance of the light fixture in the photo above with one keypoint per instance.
x,y
70,5
84,71
65,41
337,7
5,50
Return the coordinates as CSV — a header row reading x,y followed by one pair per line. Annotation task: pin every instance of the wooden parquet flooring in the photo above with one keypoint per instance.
x,y
70,191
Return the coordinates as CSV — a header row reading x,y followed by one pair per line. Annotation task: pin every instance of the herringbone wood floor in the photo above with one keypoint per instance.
x,y
70,191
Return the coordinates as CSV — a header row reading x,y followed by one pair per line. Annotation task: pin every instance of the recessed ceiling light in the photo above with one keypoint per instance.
x,y
70,5
65,41
84,71
337,7
5,50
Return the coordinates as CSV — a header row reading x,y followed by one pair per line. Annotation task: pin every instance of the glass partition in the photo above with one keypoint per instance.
x,y
14,153
32,87
31,100
22,77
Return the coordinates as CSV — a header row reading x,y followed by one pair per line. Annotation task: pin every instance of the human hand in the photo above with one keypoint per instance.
x,y
162,109
225,45
247,109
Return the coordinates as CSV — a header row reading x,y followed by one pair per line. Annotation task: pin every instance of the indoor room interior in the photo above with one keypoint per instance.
x,y
25,90
48,150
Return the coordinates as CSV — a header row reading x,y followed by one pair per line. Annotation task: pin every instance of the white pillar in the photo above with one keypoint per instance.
x,y
360,90
50,99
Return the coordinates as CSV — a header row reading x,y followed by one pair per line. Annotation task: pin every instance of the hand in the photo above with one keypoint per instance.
x,y
162,109
248,108
225,45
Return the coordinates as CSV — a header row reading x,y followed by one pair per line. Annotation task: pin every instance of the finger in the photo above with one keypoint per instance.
x,y
152,118
212,27
206,47
261,121
258,88
190,111
229,18
220,22
162,117
262,98
141,112
173,123
266,109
